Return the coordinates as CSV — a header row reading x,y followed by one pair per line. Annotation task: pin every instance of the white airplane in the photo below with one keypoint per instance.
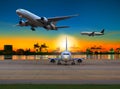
x,y
36,21
66,57
93,33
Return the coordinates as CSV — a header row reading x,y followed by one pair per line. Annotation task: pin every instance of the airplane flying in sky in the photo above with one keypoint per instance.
x,y
93,33
36,21
66,57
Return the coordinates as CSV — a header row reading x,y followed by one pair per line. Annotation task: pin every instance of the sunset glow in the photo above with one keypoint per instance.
x,y
94,16
61,42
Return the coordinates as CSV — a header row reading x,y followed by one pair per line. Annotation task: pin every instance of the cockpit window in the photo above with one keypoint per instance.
x,y
66,54
21,9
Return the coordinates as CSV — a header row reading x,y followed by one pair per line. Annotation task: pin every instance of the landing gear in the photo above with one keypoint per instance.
x,y
59,63
73,63
32,28
52,61
20,21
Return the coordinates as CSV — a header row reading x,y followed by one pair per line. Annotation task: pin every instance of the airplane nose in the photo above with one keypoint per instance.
x,y
66,57
17,11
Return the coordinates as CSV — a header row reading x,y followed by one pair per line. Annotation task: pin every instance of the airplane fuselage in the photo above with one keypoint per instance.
x,y
95,33
29,16
66,56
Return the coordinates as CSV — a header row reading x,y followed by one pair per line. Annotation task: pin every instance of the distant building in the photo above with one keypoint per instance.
x,y
8,51
8,48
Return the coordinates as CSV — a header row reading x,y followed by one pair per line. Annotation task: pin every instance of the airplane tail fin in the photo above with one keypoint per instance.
x,y
66,44
103,31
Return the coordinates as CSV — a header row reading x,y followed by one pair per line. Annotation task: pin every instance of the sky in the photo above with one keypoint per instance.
x,y
94,15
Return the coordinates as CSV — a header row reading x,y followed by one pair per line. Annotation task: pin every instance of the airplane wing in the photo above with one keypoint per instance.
x,y
92,34
54,19
79,60
53,60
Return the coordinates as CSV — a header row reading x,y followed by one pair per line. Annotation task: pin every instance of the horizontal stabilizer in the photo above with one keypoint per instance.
x,y
62,27
17,25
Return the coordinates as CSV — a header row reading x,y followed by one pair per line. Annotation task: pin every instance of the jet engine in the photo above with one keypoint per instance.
x,y
52,60
22,23
79,60
44,19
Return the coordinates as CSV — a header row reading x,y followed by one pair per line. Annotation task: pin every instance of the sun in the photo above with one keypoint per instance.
x,y
62,42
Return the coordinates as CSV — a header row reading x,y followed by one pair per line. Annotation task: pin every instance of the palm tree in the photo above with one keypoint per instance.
x,y
43,46
36,47
118,50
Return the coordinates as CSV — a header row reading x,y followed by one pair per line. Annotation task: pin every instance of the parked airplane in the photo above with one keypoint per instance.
x,y
36,21
66,57
93,33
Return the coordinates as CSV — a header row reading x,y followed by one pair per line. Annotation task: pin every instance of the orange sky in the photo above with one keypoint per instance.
x,y
75,44
24,43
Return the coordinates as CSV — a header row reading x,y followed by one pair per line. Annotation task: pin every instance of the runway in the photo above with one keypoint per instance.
x,y
43,72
